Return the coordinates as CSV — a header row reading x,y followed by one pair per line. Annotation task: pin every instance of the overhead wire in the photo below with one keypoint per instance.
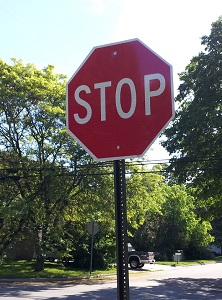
x,y
80,170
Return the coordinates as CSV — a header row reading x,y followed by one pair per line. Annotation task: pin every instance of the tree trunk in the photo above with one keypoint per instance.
x,y
39,252
39,263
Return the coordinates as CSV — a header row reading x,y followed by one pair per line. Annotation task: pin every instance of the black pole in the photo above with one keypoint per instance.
x,y
121,230
91,256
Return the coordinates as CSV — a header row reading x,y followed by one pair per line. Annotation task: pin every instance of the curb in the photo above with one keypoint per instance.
x,y
54,280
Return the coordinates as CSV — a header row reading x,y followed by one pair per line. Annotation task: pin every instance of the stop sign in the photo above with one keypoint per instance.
x,y
119,100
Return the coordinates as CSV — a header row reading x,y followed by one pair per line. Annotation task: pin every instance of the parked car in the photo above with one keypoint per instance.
x,y
137,259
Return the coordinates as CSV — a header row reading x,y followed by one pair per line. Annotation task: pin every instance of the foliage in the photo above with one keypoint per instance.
x,y
33,158
143,195
50,188
194,137
174,225
198,253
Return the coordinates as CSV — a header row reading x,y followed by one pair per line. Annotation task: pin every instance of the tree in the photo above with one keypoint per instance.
x,y
180,227
94,203
38,159
142,195
174,225
194,137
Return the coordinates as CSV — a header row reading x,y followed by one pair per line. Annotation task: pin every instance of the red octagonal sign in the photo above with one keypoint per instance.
x,y
119,100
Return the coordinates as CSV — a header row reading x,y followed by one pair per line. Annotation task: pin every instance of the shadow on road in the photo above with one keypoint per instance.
x,y
179,288
167,289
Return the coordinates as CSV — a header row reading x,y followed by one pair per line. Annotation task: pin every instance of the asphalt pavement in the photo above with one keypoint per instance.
x,y
154,282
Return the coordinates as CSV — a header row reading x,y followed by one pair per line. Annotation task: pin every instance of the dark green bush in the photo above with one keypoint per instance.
x,y
193,253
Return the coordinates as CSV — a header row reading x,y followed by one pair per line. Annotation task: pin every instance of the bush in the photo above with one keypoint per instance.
x,y
160,256
81,259
100,261
193,253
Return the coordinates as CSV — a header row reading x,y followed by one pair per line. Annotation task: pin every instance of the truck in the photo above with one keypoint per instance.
x,y
137,259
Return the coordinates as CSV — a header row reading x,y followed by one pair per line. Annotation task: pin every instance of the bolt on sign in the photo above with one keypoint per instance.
x,y
119,100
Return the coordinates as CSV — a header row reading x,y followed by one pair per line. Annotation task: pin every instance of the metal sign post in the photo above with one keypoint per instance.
x,y
91,256
92,228
106,120
121,230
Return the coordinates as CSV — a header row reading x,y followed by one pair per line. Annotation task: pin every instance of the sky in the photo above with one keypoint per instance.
x,y
62,33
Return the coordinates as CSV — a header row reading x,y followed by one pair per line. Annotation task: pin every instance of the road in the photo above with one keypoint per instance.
x,y
156,282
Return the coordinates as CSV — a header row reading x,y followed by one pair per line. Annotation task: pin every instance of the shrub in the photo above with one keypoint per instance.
x,y
198,253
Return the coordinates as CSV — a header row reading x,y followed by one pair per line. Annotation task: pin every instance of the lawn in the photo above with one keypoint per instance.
x,y
25,269
190,262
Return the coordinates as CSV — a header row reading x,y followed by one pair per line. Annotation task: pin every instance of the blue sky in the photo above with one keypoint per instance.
x,y
62,33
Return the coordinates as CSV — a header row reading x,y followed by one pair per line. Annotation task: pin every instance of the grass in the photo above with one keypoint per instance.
x,y
25,269
190,262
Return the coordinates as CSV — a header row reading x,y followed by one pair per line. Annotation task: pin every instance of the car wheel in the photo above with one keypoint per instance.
x,y
134,263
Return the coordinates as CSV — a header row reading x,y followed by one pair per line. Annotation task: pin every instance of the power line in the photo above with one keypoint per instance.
x,y
79,170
